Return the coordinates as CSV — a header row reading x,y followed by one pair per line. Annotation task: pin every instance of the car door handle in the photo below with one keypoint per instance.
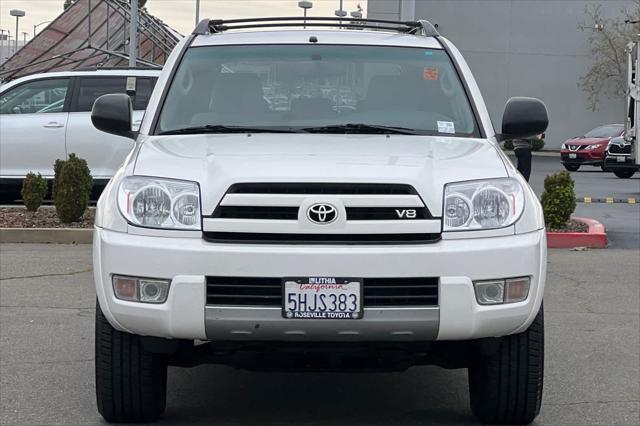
x,y
53,125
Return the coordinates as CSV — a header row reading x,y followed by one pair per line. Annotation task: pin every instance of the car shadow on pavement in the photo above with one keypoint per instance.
x,y
221,395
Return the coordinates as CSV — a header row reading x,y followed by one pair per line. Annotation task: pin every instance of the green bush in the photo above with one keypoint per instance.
x,y
558,199
34,189
71,188
537,144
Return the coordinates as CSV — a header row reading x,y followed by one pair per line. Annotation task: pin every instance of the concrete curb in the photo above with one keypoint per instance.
x,y
595,237
46,235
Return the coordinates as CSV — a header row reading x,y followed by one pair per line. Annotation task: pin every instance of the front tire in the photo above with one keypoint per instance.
x,y
131,383
506,387
571,167
624,173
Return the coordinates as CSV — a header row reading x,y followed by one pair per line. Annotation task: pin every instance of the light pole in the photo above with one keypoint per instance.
x,y
133,34
37,25
197,12
18,14
24,38
341,13
305,5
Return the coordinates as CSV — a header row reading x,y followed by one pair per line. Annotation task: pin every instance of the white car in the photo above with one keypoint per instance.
x,y
393,234
45,117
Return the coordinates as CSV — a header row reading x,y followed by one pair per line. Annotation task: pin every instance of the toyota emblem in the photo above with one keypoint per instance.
x,y
322,213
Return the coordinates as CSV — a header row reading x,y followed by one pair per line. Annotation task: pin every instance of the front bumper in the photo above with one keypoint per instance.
x,y
187,261
613,161
590,158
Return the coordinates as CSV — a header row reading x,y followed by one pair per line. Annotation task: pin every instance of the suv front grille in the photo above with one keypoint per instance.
x,y
617,149
269,213
267,292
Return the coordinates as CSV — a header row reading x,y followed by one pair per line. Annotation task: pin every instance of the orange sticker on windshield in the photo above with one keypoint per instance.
x,y
430,73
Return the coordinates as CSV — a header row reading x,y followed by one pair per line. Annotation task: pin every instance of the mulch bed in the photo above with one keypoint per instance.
x,y
572,226
45,217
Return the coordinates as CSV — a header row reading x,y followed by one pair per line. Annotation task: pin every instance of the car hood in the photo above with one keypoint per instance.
x,y
217,161
586,141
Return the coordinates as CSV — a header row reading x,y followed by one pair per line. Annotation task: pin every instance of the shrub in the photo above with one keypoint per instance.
x,y
558,199
34,189
71,188
537,144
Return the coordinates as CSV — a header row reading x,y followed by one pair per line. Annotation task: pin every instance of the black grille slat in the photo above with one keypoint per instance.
x,y
322,188
262,238
385,213
267,291
256,212
291,213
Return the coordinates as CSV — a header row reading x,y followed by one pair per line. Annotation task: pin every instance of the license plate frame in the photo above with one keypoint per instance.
x,y
323,286
621,159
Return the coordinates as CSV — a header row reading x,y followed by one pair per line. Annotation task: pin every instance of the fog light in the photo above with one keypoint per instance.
x,y
143,290
517,289
489,292
153,291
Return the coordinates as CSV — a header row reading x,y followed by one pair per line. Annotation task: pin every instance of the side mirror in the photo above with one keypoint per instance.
x,y
112,114
523,118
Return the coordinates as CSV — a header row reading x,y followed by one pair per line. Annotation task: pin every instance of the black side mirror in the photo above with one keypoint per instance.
x,y
523,118
112,114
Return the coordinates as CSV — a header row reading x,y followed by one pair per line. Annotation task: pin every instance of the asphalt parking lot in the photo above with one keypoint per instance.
x,y
46,356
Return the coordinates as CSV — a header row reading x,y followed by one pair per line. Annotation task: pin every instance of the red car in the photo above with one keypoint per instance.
x,y
590,148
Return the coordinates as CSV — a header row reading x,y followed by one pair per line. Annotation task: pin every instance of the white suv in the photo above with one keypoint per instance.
x,y
45,117
319,199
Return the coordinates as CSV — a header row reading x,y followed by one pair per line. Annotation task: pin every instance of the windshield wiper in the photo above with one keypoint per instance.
x,y
360,128
219,128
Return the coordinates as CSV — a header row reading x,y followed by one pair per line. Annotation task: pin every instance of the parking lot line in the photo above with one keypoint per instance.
x,y
607,200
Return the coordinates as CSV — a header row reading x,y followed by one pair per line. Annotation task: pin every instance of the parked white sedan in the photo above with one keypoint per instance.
x,y
44,117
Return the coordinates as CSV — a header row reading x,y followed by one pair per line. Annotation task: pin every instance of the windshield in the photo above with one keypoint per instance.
x,y
329,89
605,131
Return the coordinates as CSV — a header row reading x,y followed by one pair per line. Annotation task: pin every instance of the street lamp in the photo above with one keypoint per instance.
x,y
341,13
18,14
197,12
37,25
305,5
24,38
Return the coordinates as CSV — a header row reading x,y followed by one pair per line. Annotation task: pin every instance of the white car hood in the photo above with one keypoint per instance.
x,y
217,161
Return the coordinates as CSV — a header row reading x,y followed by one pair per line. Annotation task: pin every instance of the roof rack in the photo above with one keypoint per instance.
x,y
213,26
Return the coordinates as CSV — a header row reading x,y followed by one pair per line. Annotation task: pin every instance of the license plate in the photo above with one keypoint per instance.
x,y
322,298
573,156
620,159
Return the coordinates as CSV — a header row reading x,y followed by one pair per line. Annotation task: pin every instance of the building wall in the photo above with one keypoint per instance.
x,y
521,48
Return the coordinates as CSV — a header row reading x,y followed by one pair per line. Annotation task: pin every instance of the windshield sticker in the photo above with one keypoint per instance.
x,y
430,73
446,127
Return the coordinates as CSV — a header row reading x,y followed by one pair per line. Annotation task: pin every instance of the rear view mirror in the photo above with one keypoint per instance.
x,y
112,114
523,118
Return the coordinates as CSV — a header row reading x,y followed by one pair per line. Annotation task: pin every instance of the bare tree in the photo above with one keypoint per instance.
x,y
607,38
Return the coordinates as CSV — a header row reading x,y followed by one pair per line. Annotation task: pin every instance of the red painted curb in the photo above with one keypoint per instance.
x,y
595,237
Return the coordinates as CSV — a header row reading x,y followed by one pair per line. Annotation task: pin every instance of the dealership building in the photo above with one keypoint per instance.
x,y
521,48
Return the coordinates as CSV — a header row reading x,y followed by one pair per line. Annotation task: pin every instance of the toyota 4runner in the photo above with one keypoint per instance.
x,y
323,198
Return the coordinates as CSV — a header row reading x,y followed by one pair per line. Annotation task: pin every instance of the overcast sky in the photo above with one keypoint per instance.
x,y
179,14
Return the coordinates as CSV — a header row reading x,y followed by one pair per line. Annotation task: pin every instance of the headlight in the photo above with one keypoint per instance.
x,y
595,146
160,203
486,204
564,146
